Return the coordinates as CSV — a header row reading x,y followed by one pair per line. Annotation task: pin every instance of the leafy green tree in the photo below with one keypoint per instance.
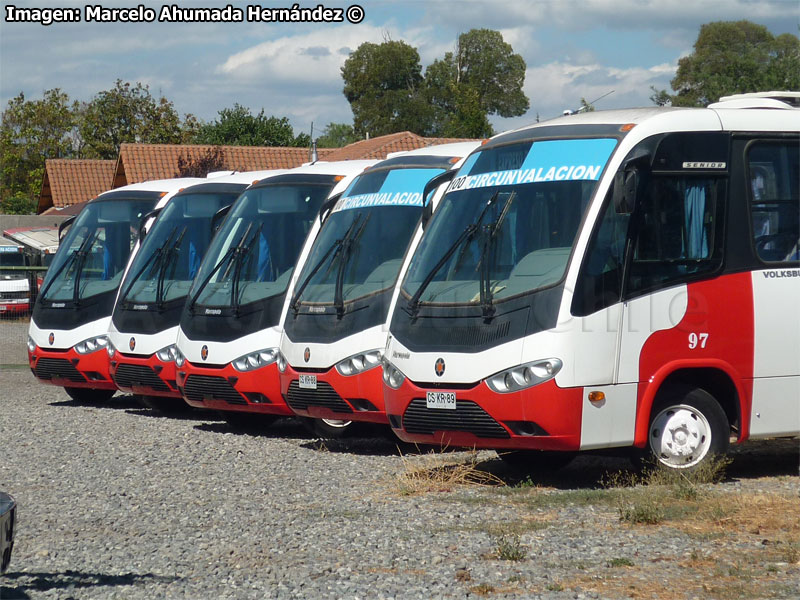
x,y
31,132
127,113
382,83
732,57
336,135
238,126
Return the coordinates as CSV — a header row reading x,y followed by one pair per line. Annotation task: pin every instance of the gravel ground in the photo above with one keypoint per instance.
x,y
118,501
13,337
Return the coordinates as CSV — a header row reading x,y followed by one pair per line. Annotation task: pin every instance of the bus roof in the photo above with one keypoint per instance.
x,y
43,238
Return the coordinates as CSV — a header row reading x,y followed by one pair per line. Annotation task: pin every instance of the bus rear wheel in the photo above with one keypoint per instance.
x,y
687,427
89,395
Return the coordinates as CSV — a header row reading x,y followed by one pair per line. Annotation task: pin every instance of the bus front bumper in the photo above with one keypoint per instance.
x,y
145,375
69,369
335,396
226,389
543,417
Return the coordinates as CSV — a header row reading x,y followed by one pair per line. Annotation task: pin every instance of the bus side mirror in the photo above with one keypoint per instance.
x,y
64,224
327,207
216,220
625,185
143,223
432,186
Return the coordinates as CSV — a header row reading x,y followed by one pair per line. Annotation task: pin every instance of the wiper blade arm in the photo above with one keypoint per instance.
x,y
486,296
333,250
162,271
75,253
244,251
225,258
347,246
467,234
154,259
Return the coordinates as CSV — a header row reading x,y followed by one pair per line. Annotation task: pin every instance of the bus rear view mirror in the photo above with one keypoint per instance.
x,y
625,186
432,186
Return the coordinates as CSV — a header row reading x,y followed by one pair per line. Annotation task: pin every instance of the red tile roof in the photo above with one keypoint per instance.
x,y
69,181
146,162
380,147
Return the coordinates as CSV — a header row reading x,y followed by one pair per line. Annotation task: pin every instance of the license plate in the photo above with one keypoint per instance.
x,y
445,400
308,382
2,308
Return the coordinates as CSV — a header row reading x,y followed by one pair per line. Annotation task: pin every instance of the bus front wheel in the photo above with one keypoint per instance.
x,y
687,426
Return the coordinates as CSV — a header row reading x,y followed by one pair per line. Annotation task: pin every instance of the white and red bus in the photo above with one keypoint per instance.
x,y
609,279
67,337
144,324
227,345
335,329
15,287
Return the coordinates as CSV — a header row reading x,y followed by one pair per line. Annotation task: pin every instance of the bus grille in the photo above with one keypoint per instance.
x,y
467,416
209,387
139,375
58,368
324,396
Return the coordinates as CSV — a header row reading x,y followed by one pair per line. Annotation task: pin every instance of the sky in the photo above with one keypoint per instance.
x,y
573,49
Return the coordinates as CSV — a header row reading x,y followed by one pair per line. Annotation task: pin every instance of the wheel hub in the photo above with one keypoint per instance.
x,y
680,436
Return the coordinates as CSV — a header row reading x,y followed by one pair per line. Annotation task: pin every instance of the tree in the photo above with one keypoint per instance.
x,y
31,132
127,113
382,83
238,126
733,57
212,160
336,135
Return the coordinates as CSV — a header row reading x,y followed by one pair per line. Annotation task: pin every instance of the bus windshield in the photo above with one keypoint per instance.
x,y
254,252
171,253
508,222
92,257
360,248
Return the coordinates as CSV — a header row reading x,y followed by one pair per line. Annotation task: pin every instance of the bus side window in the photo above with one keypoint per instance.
x,y
599,283
774,169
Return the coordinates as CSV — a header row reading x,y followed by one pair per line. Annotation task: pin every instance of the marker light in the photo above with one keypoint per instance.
x,y
255,360
110,349
31,345
281,360
524,376
392,376
93,344
167,354
358,363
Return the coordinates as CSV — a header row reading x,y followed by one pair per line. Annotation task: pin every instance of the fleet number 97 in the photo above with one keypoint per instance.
x,y
697,339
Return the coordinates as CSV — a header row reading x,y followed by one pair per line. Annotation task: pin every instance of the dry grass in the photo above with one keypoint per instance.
x,y
442,472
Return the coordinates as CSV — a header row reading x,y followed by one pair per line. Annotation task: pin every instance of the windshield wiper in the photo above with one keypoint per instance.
x,y
485,289
466,235
162,271
344,257
154,259
225,258
75,253
332,251
244,252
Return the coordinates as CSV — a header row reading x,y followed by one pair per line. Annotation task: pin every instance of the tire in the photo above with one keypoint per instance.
x,y
247,422
535,461
687,427
168,406
329,429
89,395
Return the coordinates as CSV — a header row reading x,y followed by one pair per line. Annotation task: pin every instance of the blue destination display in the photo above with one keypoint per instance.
x,y
402,187
14,249
556,160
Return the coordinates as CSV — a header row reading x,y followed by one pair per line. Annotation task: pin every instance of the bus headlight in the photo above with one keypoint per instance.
x,y
180,359
392,376
93,344
110,349
31,345
358,363
524,376
167,354
255,360
282,364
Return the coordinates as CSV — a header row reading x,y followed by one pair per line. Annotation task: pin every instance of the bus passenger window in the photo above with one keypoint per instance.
x,y
774,169
677,220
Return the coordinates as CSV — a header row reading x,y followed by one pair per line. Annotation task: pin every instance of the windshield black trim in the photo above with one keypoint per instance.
x,y
220,324
69,316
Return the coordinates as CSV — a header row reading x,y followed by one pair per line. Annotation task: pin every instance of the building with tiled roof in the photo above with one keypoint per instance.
x,y
146,162
379,147
69,181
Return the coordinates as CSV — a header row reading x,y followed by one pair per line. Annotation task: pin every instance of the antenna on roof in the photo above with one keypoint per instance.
x,y
587,105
